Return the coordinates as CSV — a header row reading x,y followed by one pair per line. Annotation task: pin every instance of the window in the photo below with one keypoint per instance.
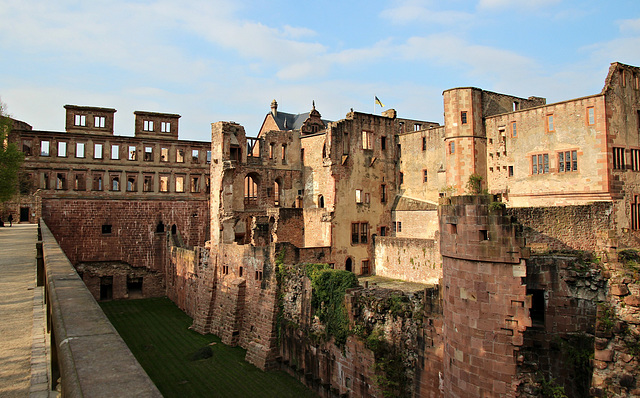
x,y
635,213
45,180
567,161
452,147
195,184
397,226
417,127
365,267
79,183
550,126
80,120
463,117
258,275
401,127
424,175
179,183
367,139
424,143
97,182
99,121
44,148
147,125
618,159
26,147
106,229
635,159
359,232
61,181
540,163
383,143
164,183
271,146
115,152
132,152
115,183
195,155
636,82
80,149
383,231
383,193
208,157
225,270
131,184
97,151
165,127
358,195
284,154
516,106
148,154
591,116
180,155
510,171
250,190
401,178
148,183
62,149
164,154
514,129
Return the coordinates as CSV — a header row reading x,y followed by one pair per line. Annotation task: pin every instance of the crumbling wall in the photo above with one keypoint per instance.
x,y
412,260
585,227
116,280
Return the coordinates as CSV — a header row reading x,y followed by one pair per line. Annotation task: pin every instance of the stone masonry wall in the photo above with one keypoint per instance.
x,y
412,260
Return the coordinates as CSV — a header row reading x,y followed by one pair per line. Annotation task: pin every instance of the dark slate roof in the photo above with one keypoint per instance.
x,y
289,121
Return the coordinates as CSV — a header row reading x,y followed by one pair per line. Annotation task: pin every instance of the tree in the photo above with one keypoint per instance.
x,y
10,158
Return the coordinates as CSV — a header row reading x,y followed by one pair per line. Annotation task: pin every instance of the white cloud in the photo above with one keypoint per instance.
x,y
629,25
516,4
421,11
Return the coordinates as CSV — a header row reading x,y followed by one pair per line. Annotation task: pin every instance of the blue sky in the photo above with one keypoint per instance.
x,y
211,60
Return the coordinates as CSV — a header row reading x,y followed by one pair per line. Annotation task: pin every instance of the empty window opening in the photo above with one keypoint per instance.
x,y
348,265
80,120
179,183
618,159
358,195
180,155
367,140
234,153
383,143
383,231
160,227
484,234
79,182
195,156
148,184
164,183
131,184
401,178
510,171
99,121
45,178
44,148
321,201
195,184
250,190
97,183
26,147
134,287
106,287
115,152
164,154
271,146
208,157
62,149
516,106
80,149
417,127
225,270
258,275
383,193
453,229
240,271
537,310
61,181
115,183
424,143
284,154
131,154
277,192
97,151
148,154
106,228
174,229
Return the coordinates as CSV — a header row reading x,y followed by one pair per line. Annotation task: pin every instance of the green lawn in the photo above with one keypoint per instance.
x,y
156,332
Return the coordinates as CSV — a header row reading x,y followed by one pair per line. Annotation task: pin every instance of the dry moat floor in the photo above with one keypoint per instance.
x,y
179,361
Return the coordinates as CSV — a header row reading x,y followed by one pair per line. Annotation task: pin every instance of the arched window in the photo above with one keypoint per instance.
x,y
160,227
251,189
320,201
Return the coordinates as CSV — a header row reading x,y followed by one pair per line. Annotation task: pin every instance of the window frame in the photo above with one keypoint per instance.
x,y
367,140
591,116
115,155
514,129
562,161
99,122
78,146
62,148
536,166
45,144
550,123
464,118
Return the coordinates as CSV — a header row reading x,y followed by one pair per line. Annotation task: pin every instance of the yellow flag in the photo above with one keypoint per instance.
x,y
378,102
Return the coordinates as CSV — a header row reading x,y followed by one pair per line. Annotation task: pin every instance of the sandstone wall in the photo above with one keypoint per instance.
x,y
412,260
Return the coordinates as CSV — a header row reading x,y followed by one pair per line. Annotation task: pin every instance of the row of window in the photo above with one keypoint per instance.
x,y
365,197
620,159
112,181
567,162
367,141
166,154
81,121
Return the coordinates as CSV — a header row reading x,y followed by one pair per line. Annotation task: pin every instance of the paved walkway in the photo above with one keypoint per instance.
x,y
21,316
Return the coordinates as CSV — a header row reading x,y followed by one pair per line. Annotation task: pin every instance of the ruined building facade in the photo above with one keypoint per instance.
x,y
480,306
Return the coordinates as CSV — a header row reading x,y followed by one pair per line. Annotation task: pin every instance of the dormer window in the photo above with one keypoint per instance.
x,y
99,121
148,125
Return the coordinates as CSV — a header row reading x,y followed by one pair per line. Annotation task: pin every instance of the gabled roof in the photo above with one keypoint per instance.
x,y
289,121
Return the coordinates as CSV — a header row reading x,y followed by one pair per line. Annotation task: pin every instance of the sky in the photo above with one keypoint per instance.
x,y
213,60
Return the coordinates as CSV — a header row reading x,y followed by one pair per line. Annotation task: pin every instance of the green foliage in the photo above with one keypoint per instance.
x,y
550,388
497,206
391,375
448,190
281,273
158,334
329,287
606,318
10,159
398,304
474,185
630,258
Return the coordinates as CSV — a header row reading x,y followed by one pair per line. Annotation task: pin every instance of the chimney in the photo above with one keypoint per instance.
x,y
274,108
